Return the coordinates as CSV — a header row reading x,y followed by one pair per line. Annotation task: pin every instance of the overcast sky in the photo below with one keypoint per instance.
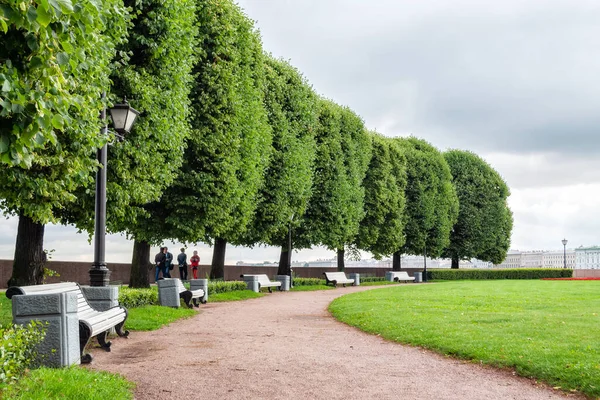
x,y
514,81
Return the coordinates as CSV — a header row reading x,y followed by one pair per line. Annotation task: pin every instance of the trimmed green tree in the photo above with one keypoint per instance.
x,y
336,205
484,223
55,66
431,202
291,109
215,195
381,230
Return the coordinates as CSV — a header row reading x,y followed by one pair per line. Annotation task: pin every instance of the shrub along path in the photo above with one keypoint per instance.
x,y
286,345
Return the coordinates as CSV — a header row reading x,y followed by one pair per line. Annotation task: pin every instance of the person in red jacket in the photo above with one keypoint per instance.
x,y
194,262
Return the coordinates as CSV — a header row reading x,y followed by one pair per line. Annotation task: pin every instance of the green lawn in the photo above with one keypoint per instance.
x,y
310,288
150,318
68,383
235,295
548,330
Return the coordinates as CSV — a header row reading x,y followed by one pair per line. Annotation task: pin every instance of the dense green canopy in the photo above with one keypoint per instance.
x,y
484,222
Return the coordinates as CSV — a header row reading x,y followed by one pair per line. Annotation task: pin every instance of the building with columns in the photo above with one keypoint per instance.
x,y
587,257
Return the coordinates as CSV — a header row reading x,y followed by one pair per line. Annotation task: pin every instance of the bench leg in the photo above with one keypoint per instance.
x,y
187,298
343,284
202,301
270,291
334,284
103,342
84,337
119,326
196,302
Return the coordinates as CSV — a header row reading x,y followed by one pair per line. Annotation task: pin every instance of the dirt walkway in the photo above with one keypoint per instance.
x,y
287,346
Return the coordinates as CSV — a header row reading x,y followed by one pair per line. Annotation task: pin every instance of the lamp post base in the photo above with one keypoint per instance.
x,y
99,275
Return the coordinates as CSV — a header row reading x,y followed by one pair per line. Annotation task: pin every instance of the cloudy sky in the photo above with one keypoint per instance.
x,y
514,81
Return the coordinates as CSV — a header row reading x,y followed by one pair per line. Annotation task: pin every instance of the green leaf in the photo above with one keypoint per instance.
x,y
35,62
31,14
66,6
57,121
4,142
43,16
62,58
3,25
6,86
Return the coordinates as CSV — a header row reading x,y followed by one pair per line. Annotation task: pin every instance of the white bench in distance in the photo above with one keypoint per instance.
x,y
398,276
337,278
263,281
190,297
91,322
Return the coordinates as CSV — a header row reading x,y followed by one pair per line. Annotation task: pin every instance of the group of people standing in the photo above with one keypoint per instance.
x,y
164,264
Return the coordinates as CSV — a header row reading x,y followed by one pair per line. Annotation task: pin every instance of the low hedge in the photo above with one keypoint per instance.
x,y
308,281
225,286
371,279
130,298
482,274
18,349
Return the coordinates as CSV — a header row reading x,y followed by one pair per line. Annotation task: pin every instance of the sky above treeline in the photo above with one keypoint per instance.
x,y
513,81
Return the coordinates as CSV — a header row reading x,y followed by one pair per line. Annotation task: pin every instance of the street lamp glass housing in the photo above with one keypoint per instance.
x,y
564,242
123,117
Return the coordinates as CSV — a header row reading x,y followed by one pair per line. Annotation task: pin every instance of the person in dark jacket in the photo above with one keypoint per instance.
x,y
159,261
182,261
168,263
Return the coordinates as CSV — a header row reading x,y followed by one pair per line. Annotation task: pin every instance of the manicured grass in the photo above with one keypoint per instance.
x,y
547,330
378,283
236,295
5,310
310,288
149,318
68,383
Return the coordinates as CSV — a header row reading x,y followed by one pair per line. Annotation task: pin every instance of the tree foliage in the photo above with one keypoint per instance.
x,y
381,230
484,222
431,202
54,67
336,205
216,192
291,109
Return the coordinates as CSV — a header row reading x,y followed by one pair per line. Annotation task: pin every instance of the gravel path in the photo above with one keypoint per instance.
x,y
287,346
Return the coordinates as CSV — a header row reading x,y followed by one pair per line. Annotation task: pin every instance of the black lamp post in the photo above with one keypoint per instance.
x,y
564,242
123,117
290,250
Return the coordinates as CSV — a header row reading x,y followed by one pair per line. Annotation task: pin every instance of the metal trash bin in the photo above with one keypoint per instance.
x,y
418,277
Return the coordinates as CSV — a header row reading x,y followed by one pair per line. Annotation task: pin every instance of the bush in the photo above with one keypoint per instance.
x,y
371,279
18,349
130,298
308,281
225,286
515,273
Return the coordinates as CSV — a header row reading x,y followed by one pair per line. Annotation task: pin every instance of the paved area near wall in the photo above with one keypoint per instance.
x,y
287,346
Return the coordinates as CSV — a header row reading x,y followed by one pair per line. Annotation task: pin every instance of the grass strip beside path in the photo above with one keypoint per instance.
x,y
68,383
235,295
149,318
548,330
310,288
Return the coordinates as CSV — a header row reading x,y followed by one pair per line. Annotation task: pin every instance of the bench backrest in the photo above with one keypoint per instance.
x,y
401,274
64,287
335,276
180,287
262,278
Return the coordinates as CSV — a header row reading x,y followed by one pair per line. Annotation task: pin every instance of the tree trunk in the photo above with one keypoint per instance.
x,y
455,262
217,267
340,260
284,258
396,261
140,265
30,258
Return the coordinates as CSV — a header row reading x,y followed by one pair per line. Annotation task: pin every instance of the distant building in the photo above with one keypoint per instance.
x,y
537,259
587,257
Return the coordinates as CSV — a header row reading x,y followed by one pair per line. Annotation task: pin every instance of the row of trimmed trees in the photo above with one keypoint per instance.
x,y
232,145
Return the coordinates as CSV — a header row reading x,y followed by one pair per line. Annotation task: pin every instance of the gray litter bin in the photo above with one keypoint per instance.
x,y
418,277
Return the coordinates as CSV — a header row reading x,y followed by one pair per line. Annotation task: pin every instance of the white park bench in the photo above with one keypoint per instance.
x,y
337,278
398,276
263,281
91,321
170,290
